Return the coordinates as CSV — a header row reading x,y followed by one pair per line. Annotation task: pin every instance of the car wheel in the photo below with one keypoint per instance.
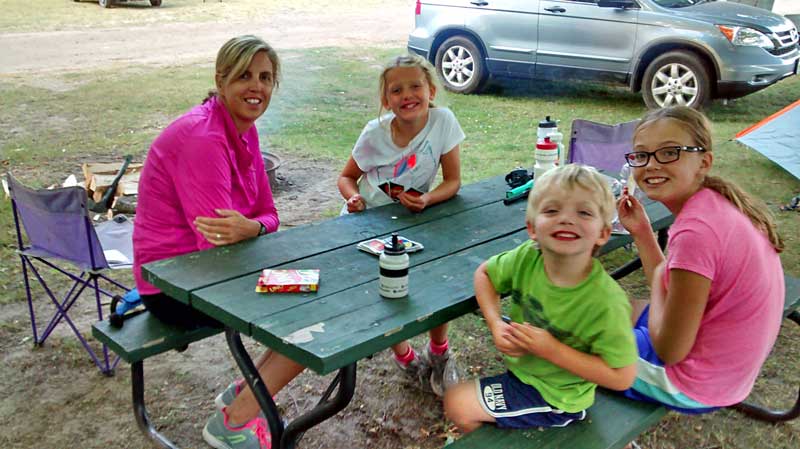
x,y
460,65
105,3
676,78
155,2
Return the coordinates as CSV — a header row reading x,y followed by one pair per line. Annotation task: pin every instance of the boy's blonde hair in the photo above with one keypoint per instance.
x,y
235,56
698,126
569,177
408,60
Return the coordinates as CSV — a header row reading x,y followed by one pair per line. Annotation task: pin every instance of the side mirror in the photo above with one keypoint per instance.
x,y
623,4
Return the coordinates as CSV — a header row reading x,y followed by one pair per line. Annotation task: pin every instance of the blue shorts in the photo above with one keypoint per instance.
x,y
652,383
517,405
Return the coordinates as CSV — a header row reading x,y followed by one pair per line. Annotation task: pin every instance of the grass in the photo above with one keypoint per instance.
x,y
319,111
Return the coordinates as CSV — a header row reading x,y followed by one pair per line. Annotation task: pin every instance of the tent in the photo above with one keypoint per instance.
x,y
778,138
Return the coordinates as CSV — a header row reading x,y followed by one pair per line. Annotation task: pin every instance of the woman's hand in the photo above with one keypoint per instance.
x,y
500,334
532,339
632,214
414,201
232,227
356,203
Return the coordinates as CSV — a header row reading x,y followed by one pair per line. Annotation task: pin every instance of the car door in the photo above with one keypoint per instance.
x,y
579,39
508,29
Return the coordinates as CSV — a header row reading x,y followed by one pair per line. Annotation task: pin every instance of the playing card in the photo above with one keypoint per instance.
x,y
413,192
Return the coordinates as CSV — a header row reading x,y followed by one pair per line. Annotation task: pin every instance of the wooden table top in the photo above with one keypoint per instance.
x,y
346,319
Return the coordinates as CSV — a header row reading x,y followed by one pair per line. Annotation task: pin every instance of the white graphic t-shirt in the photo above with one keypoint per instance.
x,y
389,169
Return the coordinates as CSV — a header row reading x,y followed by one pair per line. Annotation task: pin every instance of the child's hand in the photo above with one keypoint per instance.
x,y
500,334
413,202
534,340
356,203
632,214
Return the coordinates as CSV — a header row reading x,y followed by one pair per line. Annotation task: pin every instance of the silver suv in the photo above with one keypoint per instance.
x,y
674,51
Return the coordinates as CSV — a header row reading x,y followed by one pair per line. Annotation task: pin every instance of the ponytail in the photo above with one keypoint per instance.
x,y
754,210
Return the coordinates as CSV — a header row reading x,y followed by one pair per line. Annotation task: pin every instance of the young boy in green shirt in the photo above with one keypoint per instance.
x,y
570,324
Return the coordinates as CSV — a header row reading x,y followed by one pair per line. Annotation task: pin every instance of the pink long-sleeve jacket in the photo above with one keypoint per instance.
x,y
198,164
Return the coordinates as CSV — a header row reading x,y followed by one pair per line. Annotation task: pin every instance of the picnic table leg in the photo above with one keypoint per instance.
x,y
140,410
346,381
635,264
325,408
255,382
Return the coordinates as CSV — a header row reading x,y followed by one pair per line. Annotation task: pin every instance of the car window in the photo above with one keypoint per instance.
x,y
679,3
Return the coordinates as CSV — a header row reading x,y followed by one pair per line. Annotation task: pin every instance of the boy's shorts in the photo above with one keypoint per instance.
x,y
652,383
517,405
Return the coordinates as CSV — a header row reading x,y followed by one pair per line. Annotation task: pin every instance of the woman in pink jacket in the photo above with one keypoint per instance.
x,y
204,185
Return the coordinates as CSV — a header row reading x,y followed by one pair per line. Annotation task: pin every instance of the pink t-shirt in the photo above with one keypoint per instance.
x,y
198,164
741,321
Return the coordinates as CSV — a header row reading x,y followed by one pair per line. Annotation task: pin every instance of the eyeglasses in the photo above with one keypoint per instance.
x,y
664,155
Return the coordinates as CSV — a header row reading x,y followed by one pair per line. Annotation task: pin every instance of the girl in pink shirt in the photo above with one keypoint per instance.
x,y
204,185
717,297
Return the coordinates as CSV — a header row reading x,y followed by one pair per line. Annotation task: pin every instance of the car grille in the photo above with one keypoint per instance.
x,y
787,40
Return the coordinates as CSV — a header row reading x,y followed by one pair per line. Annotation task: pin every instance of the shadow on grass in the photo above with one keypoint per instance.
x,y
584,92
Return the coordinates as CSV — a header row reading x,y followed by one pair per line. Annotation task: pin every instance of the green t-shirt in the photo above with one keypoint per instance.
x,y
592,317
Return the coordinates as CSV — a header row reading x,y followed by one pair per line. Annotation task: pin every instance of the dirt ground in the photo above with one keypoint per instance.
x,y
53,396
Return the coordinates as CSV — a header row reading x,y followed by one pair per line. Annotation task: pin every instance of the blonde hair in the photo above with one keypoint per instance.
x,y
235,56
408,60
699,127
568,177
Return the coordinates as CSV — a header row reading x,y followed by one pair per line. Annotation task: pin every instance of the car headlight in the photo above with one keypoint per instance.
x,y
746,37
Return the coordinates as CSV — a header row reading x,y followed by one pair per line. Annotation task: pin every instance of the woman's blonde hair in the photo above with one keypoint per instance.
x,y
235,56
568,177
699,127
408,60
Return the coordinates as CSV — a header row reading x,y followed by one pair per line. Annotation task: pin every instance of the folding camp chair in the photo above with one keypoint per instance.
x,y
603,147
599,145
58,229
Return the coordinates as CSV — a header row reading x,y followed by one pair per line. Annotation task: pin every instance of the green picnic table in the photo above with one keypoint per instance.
x,y
346,320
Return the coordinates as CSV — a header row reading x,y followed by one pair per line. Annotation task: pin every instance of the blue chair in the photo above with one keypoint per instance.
x,y
57,230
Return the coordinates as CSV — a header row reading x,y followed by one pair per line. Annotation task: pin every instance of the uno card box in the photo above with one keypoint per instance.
x,y
288,281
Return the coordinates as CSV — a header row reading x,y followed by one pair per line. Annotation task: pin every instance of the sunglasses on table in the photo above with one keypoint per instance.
x,y
664,155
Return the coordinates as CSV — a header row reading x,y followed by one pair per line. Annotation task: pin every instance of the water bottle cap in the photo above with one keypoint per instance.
x,y
546,145
547,123
396,248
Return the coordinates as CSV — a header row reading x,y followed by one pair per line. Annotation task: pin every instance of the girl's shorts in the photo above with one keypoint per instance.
x,y
652,383
517,405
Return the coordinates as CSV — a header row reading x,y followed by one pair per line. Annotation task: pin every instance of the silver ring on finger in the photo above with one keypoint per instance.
x,y
219,236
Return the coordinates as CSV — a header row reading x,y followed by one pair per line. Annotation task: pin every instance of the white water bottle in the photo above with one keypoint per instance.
x,y
549,128
393,263
546,155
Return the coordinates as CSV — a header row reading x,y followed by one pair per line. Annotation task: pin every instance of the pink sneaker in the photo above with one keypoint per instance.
x,y
253,435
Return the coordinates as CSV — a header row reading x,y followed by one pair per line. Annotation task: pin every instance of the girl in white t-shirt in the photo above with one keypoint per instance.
x,y
396,158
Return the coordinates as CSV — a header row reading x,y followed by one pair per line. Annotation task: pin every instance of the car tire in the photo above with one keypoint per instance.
x,y
105,3
460,65
676,78
155,3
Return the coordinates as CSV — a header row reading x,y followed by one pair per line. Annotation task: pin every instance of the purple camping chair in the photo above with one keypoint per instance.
x,y
58,229
601,146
